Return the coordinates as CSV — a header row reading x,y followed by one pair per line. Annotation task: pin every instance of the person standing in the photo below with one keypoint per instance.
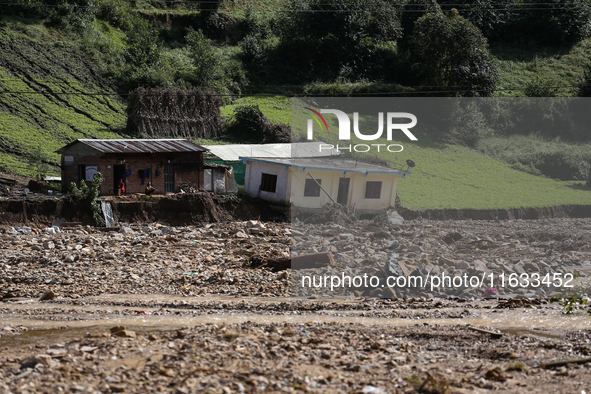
x,y
121,188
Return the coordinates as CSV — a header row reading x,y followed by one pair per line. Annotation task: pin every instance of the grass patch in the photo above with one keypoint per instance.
x,y
38,115
555,159
522,63
276,108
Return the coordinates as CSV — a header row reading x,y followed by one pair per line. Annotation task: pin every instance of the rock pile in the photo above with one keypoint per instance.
x,y
517,258
144,259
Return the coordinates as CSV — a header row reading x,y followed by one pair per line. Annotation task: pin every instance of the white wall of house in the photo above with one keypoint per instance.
x,y
357,188
291,185
253,177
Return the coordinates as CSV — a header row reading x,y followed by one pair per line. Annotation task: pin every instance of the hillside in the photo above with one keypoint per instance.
x,y
69,79
58,95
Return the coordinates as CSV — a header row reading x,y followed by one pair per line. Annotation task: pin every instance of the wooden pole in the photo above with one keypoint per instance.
x,y
318,183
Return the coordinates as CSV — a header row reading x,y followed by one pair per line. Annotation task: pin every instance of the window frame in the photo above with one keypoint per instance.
x,y
311,188
266,181
370,192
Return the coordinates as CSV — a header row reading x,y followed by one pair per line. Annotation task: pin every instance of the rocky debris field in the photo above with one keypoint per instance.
x,y
301,357
198,317
142,259
518,258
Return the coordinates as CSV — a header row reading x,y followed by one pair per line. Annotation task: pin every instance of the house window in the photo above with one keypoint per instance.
x,y
268,183
312,189
373,189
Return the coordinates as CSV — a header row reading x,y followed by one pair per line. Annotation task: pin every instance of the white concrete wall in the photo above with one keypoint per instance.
x,y
357,186
253,176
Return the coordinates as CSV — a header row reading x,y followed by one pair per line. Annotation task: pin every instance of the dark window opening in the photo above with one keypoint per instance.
x,y
81,172
268,183
373,189
312,189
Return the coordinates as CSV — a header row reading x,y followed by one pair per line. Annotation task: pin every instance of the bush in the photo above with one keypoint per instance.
x,y
320,38
143,55
468,123
254,55
455,55
213,70
250,125
74,15
90,195
205,59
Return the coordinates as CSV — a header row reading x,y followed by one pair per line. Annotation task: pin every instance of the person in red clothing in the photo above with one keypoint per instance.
x,y
121,187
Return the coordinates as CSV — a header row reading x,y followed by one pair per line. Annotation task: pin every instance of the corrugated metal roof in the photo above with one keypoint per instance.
x,y
336,164
296,149
139,146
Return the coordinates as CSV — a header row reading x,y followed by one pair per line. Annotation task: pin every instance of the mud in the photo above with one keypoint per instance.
x,y
176,210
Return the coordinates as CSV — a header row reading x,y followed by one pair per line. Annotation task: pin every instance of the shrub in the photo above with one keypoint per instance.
x,y
250,125
90,195
454,54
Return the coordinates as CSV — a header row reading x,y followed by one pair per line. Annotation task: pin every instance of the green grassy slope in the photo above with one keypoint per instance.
x,y
39,112
452,176
520,64
40,64
456,177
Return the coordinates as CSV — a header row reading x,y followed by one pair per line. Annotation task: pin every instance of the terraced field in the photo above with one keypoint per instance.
x,y
52,93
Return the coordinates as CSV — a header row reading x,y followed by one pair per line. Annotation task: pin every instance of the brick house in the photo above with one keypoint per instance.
x,y
165,162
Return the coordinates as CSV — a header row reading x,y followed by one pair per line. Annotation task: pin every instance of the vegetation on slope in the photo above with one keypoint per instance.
x,y
67,66
35,112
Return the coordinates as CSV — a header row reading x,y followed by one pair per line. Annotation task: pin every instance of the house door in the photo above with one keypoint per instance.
x,y
343,193
169,178
118,172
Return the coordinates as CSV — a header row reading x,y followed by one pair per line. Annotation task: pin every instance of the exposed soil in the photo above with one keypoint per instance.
x,y
177,210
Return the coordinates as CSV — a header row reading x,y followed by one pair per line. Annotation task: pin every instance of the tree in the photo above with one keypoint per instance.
x,y
490,16
325,37
208,67
454,55
143,52
553,21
